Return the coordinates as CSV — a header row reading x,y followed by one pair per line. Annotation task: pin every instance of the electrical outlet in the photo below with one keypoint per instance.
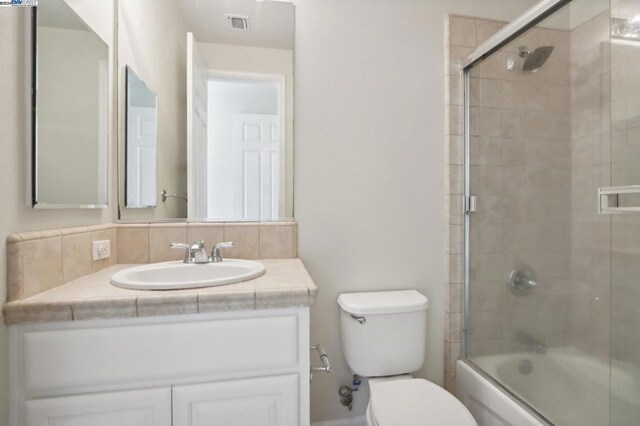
x,y
101,249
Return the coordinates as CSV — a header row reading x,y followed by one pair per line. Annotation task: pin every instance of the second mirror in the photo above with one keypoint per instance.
x,y
209,110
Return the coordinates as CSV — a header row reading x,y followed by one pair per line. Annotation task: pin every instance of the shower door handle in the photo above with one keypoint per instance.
x,y
609,199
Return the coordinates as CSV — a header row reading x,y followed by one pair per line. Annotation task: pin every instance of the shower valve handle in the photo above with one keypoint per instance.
x,y
522,280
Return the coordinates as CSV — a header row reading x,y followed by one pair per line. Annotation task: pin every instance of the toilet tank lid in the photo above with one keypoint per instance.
x,y
382,302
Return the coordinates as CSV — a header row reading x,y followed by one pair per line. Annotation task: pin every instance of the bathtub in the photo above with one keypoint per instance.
x,y
567,386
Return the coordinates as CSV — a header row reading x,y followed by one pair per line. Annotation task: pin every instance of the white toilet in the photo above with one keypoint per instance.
x,y
384,339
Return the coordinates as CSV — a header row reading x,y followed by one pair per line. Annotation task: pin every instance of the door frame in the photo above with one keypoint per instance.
x,y
196,185
281,81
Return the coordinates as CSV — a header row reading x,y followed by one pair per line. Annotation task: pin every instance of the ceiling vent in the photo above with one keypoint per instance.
x,y
236,22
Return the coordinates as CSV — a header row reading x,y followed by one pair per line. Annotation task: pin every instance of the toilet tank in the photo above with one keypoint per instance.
x,y
383,333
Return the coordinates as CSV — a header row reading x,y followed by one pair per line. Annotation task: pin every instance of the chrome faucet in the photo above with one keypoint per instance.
x,y
215,252
197,253
194,253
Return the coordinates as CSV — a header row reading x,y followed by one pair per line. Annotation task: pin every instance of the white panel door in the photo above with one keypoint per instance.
x,y
196,132
150,407
256,152
270,401
142,149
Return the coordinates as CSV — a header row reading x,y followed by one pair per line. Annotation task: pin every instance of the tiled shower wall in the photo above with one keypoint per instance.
x,y
520,174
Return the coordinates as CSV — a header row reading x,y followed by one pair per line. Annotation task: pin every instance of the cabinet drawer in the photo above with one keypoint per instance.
x,y
149,407
58,361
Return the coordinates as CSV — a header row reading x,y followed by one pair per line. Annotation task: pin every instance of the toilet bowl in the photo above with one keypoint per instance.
x,y
407,401
383,337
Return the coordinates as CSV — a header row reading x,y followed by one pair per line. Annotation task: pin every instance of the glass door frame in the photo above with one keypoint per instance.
x,y
530,18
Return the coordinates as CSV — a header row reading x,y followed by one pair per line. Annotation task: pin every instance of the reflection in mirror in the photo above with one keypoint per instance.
x,y
244,145
223,75
141,139
70,114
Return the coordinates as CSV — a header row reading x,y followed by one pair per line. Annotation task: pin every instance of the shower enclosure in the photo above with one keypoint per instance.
x,y
552,211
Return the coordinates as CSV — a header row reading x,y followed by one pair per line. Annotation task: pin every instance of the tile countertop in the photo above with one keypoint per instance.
x,y
286,283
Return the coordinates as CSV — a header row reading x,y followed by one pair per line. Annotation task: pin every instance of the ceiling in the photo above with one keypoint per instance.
x,y
58,14
271,23
575,14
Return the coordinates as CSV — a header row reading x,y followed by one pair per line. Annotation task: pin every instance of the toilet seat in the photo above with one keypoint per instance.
x,y
416,402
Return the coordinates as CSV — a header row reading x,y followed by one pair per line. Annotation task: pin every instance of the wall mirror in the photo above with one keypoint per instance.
x,y
222,76
70,110
141,143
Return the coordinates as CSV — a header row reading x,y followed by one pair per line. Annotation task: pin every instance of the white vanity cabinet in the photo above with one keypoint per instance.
x,y
233,368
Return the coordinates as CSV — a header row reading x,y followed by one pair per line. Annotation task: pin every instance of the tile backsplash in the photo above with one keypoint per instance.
x,y
41,260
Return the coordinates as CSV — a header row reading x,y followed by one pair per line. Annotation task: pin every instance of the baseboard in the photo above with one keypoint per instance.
x,y
353,421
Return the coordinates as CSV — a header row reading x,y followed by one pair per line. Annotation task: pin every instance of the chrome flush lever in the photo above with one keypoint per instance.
x,y
361,320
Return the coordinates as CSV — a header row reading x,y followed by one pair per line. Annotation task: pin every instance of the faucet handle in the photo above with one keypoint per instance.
x,y
188,254
194,253
228,244
179,246
215,252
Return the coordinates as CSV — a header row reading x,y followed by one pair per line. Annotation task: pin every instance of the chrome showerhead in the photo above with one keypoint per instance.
x,y
534,59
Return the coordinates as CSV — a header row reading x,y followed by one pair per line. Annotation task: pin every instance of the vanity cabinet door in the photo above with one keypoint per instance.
x,y
269,401
150,407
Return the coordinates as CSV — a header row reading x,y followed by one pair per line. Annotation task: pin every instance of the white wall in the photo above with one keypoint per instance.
x,y
226,99
369,133
225,57
15,214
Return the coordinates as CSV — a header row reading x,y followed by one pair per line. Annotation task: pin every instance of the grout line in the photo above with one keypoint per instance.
x,y
149,244
62,281
294,234
259,244
255,296
114,235
22,280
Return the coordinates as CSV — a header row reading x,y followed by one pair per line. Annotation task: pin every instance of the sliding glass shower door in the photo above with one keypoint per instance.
x,y
625,231
552,291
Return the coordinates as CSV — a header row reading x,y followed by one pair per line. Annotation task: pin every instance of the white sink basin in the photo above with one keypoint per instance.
x,y
179,275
